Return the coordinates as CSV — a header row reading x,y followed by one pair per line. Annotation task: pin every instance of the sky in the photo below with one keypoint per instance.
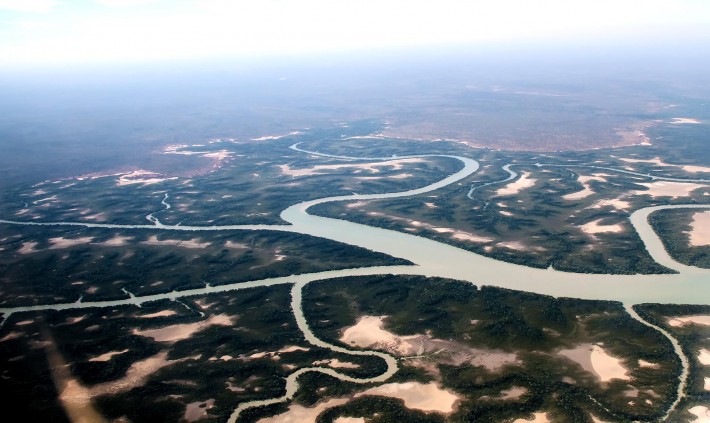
x,y
40,33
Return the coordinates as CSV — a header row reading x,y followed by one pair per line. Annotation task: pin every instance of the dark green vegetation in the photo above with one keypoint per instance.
x,y
252,185
692,338
534,328
105,262
236,358
673,226
538,226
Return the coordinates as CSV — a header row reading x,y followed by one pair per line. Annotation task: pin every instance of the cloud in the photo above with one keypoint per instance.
x,y
123,3
29,6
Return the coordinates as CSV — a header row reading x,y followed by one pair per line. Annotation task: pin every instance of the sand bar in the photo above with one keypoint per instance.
x,y
700,229
525,181
594,359
417,396
178,332
686,320
370,167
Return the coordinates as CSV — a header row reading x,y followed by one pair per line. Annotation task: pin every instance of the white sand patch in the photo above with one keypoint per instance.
x,y
203,304
163,313
417,396
615,203
355,204
99,217
219,155
292,348
683,121
349,420
299,414
12,335
704,357
190,243
370,167
518,246
430,205
513,393
667,189
686,320
76,319
594,359
700,229
141,177
658,162
135,376
369,333
61,242
536,418
107,356
197,410
466,236
524,182
505,213
397,176
644,363
44,200
695,169
116,241
276,137
706,384
587,189
178,332
701,412
28,248
21,212
236,245
274,355
594,227
337,364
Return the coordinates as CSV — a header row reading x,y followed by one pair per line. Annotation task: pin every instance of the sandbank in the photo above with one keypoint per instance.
x,y
337,364
594,227
594,359
615,203
178,332
190,243
686,320
107,356
681,121
701,412
163,313
61,242
370,167
299,414
700,229
417,396
197,410
525,181
587,189
704,356
667,189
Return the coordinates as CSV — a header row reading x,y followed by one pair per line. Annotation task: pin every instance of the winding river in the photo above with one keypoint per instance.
x,y
430,258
